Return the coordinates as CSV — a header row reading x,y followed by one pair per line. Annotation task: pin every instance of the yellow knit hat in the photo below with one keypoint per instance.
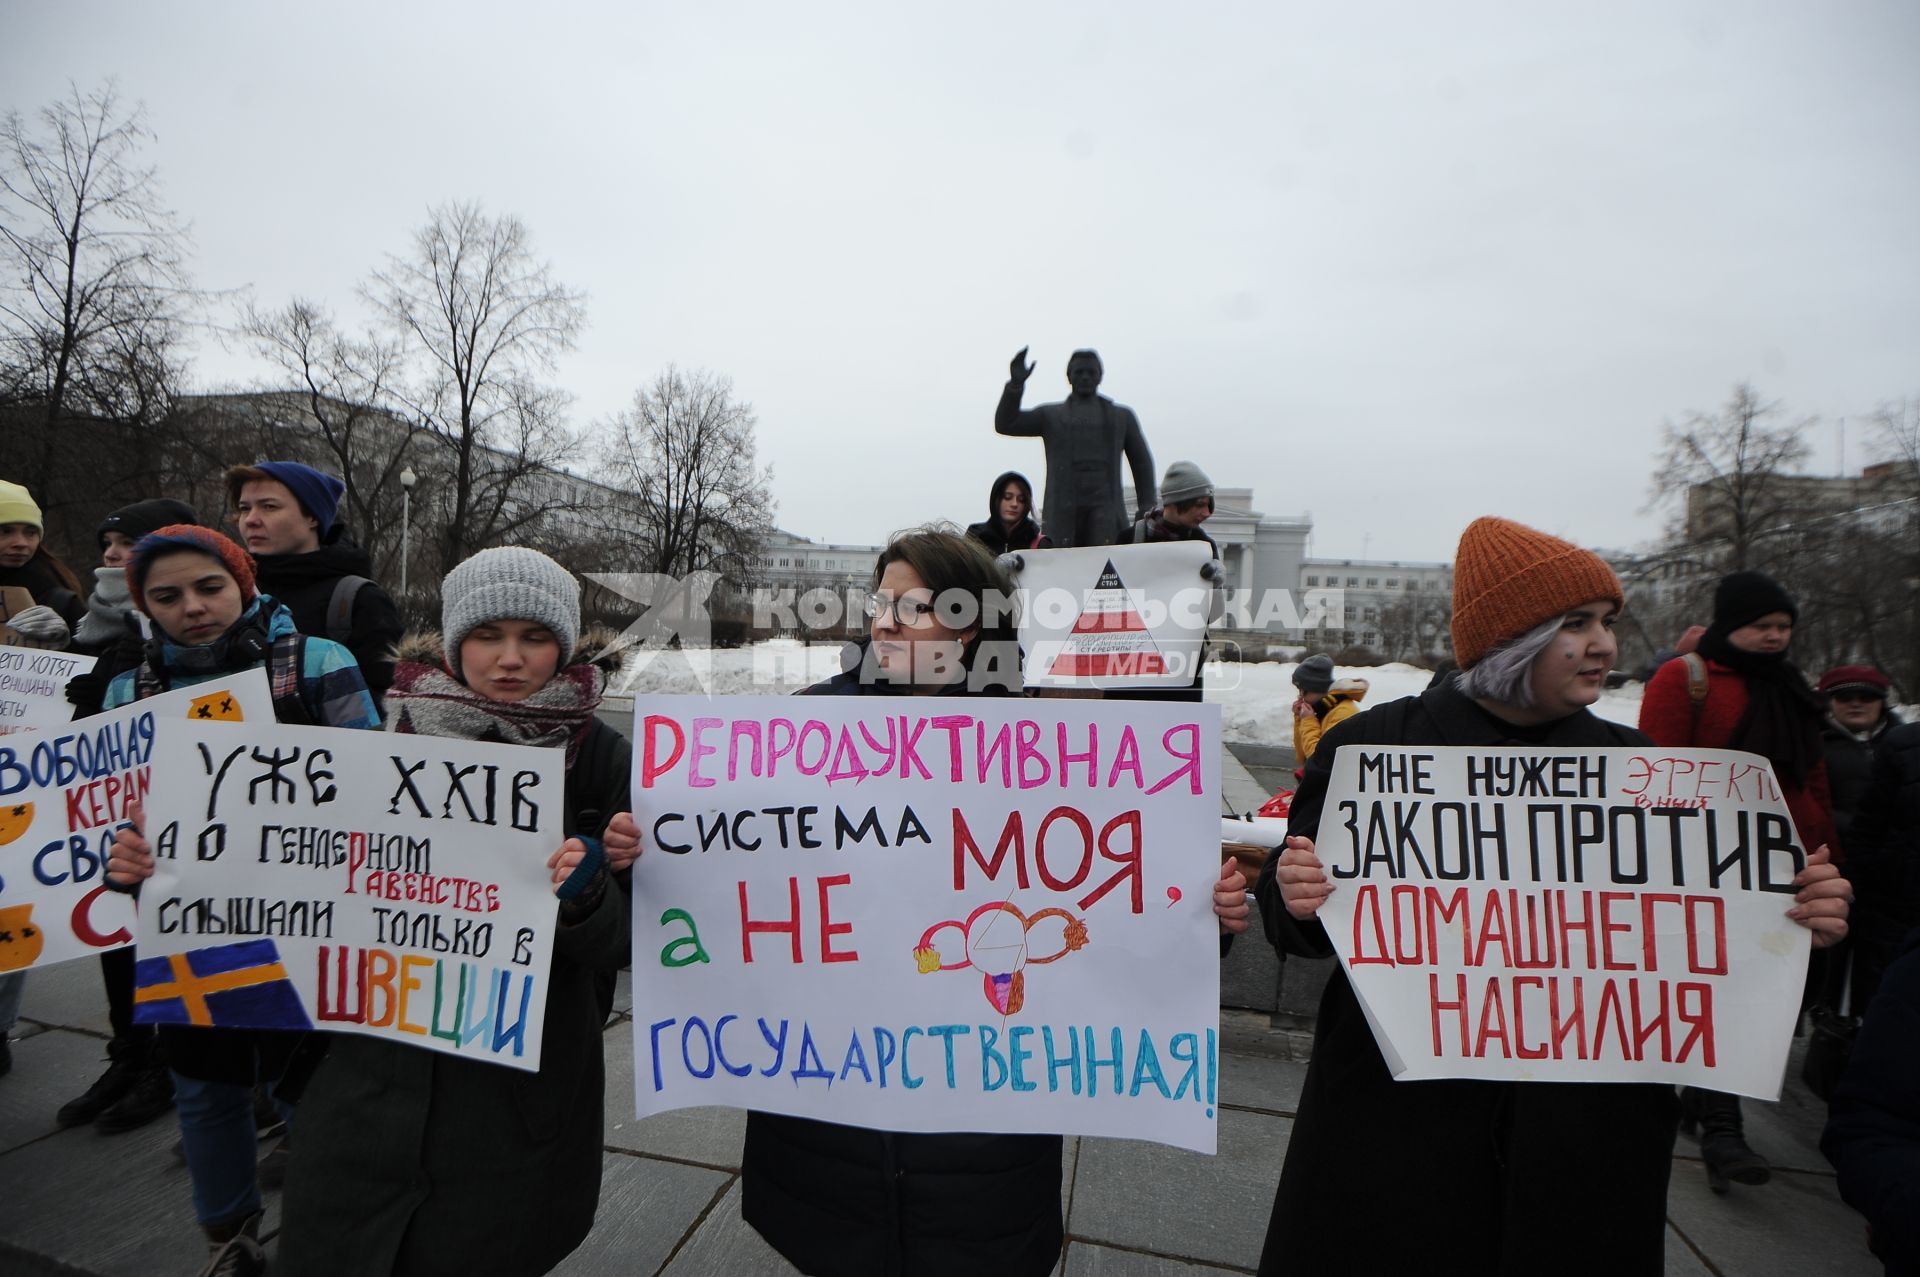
x,y
1507,578
18,506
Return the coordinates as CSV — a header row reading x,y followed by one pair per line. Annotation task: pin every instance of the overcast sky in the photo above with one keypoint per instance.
x,y
1397,265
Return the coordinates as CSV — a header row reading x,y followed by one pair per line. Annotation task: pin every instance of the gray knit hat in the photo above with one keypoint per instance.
x,y
1184,482
511,583
1314,675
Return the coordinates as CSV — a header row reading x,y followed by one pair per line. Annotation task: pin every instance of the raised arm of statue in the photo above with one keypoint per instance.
x,y
1008,418
1140,460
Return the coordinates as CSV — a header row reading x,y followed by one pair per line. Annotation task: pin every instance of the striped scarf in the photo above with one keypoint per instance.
x,y
426,700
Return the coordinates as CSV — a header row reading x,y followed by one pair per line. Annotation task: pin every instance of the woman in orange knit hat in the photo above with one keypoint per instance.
x,y
1479,1176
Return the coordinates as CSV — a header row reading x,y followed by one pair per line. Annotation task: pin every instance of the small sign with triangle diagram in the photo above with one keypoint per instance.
x,y
1109,639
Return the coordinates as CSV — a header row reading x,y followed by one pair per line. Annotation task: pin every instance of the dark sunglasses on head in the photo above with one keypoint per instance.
x,y
1855,698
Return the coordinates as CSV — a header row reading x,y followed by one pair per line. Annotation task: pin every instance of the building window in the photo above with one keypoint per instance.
x,y
1313,580
1373,583
1353,582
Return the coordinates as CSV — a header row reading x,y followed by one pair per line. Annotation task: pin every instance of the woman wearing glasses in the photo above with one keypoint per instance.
x,y
843,1199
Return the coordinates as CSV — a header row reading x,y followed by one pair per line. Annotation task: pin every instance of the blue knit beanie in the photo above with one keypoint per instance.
x,y
317,492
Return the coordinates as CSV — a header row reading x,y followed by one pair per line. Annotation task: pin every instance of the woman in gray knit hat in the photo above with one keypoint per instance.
x,y
410,1161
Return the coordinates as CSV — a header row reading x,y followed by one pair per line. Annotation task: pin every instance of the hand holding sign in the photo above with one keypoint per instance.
x,y
1230,899
622,841
1303,880
1823,901
130,862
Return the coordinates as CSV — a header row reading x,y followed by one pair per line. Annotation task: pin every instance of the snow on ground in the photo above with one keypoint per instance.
x,y
1255,699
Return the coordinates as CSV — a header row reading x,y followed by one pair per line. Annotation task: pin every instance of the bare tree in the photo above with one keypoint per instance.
x,y
478,319
341,393
686,450
93,282
1731,472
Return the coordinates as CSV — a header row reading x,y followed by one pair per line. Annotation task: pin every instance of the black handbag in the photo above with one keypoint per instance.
x,y
1828,1047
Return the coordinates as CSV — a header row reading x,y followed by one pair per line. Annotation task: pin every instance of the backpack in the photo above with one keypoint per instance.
x,y
340,607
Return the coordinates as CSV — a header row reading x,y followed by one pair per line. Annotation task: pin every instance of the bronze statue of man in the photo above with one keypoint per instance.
x,y
1085,436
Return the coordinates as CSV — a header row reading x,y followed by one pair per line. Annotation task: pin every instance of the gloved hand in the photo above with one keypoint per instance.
x,y
42,625
88,691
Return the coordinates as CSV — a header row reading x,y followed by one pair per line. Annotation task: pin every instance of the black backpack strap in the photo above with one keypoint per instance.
x,y
286,662
340,606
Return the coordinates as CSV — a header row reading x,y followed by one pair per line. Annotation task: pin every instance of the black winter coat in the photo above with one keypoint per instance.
x,y
1883,861
844,1199
1849,771
410,1161
1455,1175
1873,1121
305,582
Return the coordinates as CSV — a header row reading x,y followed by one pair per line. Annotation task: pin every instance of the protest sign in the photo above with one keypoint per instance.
x,y
382,884
64,793
1114,615
930,914
33,687
1591,915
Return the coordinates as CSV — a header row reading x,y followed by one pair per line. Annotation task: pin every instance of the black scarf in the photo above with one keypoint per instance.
x,y
1782,722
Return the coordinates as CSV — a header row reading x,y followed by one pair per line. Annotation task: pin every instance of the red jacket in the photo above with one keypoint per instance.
x,y
1669,716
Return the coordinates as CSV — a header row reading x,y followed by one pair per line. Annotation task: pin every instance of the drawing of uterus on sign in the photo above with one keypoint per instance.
x,y
997,940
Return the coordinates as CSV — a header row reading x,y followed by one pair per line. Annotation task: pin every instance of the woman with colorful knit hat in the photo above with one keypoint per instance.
x,y
411,1161
1478,1176
1739,690
197,588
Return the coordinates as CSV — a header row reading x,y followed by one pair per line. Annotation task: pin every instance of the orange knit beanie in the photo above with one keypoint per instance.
x,y
1507,578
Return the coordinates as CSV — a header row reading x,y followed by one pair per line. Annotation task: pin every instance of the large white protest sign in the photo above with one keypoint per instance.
x,y
1114,615
64,792
33,687
1600,915
930,914
376,883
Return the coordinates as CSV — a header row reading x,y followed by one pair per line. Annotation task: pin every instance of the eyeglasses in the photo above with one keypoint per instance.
x,y
906,612
1854,698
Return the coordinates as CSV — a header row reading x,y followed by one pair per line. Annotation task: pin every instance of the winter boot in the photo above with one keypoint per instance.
x,y
150,1096
234,1250
1723,1143
124,1059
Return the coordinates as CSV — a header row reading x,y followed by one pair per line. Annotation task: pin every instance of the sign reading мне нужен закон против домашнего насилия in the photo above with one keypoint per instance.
x,y
1599,915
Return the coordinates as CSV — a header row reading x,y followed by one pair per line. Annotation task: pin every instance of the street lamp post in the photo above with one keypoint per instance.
x,y
407,479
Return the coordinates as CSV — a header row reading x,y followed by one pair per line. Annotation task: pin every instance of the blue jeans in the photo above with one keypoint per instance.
x,y
218,1137
13,986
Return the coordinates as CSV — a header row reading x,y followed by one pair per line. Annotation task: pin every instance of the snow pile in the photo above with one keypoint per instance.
x,y
1255,699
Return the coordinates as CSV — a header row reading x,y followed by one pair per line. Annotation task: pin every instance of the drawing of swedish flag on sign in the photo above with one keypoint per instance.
x,y
240,986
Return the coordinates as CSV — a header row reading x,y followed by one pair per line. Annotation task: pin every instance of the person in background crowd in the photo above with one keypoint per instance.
x,y
136,1087
25,562
412,1161
1186,502
1873,1121
1322,704
197,587
1740,691
1009,524
1883,862
286,513
1516,1177
846,1200
1857,716
111,631
1186,496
